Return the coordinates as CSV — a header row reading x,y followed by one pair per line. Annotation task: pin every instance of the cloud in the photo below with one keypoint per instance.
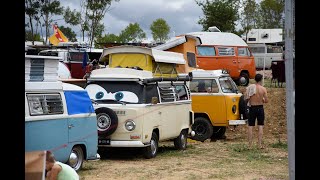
x,y
181,15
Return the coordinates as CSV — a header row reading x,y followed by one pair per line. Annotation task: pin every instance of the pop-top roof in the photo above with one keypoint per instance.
x,y
158,55
124,74
219,38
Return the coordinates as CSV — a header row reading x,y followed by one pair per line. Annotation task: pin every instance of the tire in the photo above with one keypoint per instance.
x,y
203,129
107,121
243,79
152,150
76,158
180,142
218,132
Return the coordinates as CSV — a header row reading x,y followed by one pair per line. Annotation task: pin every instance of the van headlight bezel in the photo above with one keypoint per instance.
x,y
130,125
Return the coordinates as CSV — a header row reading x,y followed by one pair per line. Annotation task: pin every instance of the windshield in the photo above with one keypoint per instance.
x,y
228,85
115,92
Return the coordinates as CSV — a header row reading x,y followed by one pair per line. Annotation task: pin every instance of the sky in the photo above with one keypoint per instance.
x,y
181,15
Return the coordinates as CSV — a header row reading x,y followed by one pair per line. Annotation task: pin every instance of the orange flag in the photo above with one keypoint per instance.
x,y
57,36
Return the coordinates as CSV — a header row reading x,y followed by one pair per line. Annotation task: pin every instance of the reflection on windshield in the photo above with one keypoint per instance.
x,y
227,85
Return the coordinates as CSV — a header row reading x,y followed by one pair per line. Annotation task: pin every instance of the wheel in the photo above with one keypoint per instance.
x,y
203,129
218,132
181,141
76,158
243,79
152,150
107,121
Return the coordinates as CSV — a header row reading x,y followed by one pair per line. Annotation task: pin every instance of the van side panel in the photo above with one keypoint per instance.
x,y
83,130
247,64
232,100
50,134
202,103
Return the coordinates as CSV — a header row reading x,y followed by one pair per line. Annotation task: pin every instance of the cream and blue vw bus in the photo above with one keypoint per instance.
x,y
59,117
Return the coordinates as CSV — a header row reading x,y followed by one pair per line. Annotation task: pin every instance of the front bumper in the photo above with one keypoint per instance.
x,y
238,122
123,144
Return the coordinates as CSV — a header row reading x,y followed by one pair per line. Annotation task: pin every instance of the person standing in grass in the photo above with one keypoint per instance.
x,y
256,95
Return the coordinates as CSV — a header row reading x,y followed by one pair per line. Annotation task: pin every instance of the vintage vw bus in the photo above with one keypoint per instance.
x,y
58,116
143,103
215,102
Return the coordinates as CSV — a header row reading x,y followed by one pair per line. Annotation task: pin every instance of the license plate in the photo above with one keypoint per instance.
x,y
104,141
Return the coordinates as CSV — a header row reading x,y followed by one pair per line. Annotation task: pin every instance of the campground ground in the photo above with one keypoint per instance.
x,y
221,159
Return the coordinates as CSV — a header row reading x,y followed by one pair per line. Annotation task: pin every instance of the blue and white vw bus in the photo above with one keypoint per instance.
x,y
58,116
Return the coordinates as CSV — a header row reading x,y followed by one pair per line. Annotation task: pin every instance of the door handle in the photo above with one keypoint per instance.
x,y
159,112
70,126
234,61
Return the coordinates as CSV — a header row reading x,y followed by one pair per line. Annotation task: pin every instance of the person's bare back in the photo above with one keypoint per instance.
x,y
259,97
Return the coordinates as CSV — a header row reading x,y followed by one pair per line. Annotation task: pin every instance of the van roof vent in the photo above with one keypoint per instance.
x,y
41,68
214,29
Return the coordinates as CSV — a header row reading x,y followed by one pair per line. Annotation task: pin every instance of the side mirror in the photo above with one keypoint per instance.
x,y
154,100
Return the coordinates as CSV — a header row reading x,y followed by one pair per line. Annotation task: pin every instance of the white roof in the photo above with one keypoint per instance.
x,y
200,73
28,57
158,55
219,38
119,73
177,41
71,87
42,86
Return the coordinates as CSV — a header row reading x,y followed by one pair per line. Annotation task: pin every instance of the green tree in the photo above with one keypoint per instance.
x,y
71,35
96,9
32,10
29,36
271,14
107,38
220,13
160,30
48,9
249,15
132,33
78,17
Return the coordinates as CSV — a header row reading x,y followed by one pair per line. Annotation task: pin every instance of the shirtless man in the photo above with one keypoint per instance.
x,y
257,96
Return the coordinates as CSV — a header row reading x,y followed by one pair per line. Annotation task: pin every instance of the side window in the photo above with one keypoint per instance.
x,y
243,51
78,56
191,59
204,86
206,51
214,88
45,104
167,93
151,91
181,92
226,51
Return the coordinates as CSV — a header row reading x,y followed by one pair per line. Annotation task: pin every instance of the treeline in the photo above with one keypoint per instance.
x,y
225,14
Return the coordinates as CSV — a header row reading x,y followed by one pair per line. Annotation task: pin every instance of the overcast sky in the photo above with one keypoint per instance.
x,y
181,15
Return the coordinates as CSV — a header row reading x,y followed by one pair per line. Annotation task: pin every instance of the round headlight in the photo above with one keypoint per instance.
x,y
130,125
234,109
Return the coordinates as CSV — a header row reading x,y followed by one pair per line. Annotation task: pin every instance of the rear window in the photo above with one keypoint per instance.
x,y
45,104
243,51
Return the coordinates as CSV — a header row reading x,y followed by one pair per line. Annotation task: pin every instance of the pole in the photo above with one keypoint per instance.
x,y
290,101
264,63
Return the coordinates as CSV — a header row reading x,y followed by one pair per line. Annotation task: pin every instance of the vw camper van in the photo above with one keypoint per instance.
x,y
59,117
